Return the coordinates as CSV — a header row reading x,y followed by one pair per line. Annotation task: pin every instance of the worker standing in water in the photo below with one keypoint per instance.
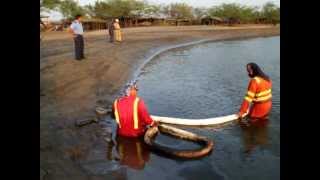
x,y
131,114
259,94
132,119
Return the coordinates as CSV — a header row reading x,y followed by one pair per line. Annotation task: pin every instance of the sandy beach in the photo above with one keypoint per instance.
x,y
70,90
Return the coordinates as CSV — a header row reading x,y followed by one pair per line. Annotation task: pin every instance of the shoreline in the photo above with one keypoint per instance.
x,y
70,90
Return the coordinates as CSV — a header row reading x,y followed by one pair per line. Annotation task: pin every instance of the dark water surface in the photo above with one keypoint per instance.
x,y
204,81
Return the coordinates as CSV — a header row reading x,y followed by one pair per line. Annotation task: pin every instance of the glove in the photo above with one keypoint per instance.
x,y
240,116
156,123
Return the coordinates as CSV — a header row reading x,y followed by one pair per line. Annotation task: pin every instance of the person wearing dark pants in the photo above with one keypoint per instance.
x,y
111,28
79,47
76,30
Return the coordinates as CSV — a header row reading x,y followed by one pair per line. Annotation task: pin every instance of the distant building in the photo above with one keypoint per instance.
x,y
261,20
142,20
87,24
179,22
208,20
45,20
94,24
231,21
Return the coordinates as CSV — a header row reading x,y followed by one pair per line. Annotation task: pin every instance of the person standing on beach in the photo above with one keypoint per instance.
x,y
111,29
76,30
117,31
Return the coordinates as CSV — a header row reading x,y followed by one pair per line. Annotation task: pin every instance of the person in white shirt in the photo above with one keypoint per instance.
x,y
76,30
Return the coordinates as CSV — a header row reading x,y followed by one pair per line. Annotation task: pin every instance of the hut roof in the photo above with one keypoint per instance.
x,y
155,16
94,20
178,19
217,18
212,17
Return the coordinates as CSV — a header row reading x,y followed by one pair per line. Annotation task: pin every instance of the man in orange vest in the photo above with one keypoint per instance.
x,y
259,94
131,114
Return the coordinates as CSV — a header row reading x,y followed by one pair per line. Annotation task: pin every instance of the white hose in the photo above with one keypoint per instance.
x,y
197,122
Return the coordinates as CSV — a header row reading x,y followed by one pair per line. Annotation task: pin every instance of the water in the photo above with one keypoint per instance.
x,y
210,80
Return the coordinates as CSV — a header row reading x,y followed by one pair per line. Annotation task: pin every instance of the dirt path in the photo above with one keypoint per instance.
x,y
70,90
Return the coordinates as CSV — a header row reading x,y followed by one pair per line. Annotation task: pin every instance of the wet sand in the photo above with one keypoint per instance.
x,y
70,89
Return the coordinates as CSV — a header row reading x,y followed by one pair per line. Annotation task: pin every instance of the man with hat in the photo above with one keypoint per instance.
x,y
131,113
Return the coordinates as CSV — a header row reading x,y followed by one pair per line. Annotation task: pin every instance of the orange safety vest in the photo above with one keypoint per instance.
x,y
135,113
131,116
259,93
262,93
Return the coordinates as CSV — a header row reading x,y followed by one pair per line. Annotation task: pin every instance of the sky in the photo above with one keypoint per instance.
x,y
195,3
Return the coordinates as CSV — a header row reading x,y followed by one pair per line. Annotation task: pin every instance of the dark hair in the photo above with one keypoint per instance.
x,y
77,16
257,71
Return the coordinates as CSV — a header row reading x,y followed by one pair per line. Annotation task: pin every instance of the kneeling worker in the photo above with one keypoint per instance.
x,y
131,114
259,94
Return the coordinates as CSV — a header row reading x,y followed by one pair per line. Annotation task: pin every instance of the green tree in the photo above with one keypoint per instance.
x,y
231,10
243,13
199,12
116,8
180,10
49,4
99,10
70,8
271,12
248,14
151,9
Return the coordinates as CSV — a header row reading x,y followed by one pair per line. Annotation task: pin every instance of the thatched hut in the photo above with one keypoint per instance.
x,y
88,24
94,24
179,22
149,21
232,21
208,20
44,20
141,20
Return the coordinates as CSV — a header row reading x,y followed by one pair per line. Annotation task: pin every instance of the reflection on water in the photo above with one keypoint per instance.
x,y
255,134
130,152
133,152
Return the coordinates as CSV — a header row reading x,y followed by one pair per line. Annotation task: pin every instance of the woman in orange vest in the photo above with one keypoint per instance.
x,y
259,94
